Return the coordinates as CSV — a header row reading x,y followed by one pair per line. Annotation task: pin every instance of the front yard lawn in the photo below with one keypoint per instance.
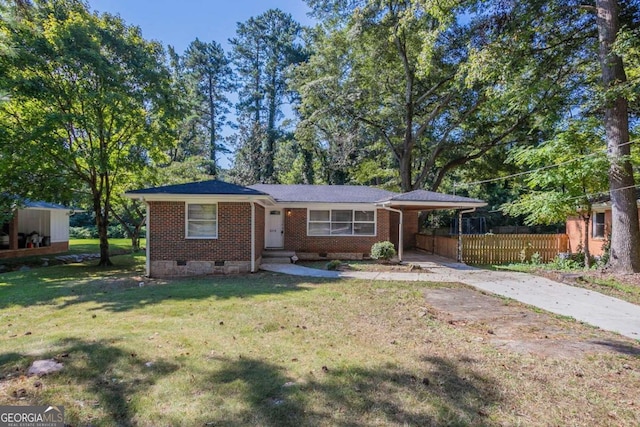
x,y
273,350
116,246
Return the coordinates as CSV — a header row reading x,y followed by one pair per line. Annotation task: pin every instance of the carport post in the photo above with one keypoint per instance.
x,y
460,212
400,230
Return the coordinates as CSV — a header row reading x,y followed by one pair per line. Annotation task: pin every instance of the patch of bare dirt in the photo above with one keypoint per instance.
x,y
516,327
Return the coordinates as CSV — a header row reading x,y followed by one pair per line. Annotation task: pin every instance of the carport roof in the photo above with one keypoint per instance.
x,y
430,196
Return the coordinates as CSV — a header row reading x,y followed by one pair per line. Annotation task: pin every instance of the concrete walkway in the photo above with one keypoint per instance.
x,y
583,305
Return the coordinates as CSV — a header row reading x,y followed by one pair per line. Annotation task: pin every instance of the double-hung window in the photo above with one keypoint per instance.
x,y
341,222
598,225
202,221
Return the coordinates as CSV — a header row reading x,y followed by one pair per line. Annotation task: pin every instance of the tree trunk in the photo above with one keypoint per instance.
x,y
307,156
135,240
585,243
404,163
102,222
270,148
213,170
625,232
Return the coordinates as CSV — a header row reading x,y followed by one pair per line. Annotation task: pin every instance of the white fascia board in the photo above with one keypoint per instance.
x,y
601,207
28,208
69,211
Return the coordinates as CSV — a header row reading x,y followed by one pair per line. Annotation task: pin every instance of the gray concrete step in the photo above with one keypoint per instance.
x,y
277,256
276,260
275,253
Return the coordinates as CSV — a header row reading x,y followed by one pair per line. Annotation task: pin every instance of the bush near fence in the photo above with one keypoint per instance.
x,y
496,248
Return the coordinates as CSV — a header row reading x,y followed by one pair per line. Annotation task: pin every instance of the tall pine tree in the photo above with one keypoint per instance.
x,y
263,50
208,78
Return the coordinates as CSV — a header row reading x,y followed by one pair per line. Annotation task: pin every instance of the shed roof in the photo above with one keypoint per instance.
x,y
37,204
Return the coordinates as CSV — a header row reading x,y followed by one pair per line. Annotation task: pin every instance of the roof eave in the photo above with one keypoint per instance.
x,y
171,197
432,205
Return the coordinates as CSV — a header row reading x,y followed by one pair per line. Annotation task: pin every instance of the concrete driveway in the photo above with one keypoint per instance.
x,y
583,305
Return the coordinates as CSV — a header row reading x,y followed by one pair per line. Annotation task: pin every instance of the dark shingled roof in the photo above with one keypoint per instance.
x,y
323,193
430,196
212,187
43,205
300,193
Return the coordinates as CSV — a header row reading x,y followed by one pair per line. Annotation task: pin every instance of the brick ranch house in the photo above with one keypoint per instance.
x,y
217,227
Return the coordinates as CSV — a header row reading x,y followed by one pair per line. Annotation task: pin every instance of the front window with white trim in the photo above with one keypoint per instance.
x,y
341,222
202,221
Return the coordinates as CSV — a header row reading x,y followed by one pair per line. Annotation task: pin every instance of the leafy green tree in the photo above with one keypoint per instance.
x,y
90,99
131,214
569,173
209,78
263,50
191,136
249,160
436,91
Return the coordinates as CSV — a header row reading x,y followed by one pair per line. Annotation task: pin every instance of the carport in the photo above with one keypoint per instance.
x,y
423,201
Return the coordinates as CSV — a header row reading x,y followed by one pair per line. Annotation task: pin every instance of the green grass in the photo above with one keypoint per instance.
x,y
82,246
273,350
611,287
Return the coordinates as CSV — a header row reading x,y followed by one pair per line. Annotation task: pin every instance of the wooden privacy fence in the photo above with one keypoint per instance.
x,y
496,248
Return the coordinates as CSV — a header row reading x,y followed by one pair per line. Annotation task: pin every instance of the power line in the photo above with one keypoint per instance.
x,y
502,178
602,193
590,195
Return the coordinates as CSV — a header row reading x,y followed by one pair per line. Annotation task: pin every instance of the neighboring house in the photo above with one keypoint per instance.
x,y
216,227
599,230
37,228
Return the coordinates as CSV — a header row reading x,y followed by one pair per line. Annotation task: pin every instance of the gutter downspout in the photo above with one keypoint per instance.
x,y
400,231
460,212
253,236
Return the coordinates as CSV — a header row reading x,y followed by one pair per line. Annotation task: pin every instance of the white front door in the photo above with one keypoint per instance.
x,y
274,229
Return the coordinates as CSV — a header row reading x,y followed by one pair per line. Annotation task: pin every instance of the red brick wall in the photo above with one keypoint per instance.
x,y
296,239
259,232
394,221
410,228
167,234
